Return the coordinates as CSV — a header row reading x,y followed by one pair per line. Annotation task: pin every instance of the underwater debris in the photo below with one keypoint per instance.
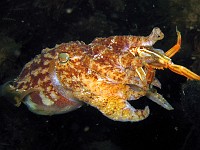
x,y
9,49
9,52
190,100
185,13
196,54
191,105
99,145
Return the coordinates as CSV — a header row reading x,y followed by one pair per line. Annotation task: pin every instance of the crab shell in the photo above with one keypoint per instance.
x,y
104,74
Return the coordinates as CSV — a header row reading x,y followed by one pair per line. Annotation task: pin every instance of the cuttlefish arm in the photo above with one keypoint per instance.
x,y
159,99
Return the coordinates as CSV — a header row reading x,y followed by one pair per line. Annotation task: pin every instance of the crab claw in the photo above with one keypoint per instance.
x,y
183,71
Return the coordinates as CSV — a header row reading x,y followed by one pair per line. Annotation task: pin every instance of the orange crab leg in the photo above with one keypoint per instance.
x,y
177,68
172,51
183,71
150,74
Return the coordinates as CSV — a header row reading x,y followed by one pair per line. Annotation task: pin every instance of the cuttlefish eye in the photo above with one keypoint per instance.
x,y
63,57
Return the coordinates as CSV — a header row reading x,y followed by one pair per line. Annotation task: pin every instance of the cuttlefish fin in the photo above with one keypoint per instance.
x,y
14,95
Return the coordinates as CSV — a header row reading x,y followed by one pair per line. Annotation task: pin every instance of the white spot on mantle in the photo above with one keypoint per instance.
x,y
45,100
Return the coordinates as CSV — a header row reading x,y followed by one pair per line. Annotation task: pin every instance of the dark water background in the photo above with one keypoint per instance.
x,y
26,27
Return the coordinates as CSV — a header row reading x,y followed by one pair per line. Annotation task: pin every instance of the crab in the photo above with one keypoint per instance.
x,y
105,74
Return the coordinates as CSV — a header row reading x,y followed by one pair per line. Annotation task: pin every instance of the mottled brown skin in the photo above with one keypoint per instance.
x,y
104,74
101,81
36,79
